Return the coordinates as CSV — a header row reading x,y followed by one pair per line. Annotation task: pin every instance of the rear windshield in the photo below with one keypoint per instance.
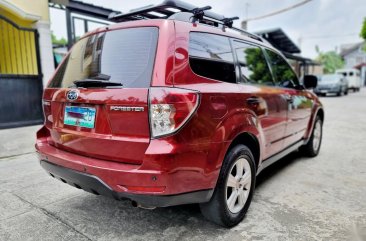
x,y
125,56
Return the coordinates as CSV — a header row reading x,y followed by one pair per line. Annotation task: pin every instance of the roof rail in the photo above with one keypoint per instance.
x,y
176,9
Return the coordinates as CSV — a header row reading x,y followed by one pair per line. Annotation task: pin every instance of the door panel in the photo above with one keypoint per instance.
x,y
261,96
299,103
271,110
299,114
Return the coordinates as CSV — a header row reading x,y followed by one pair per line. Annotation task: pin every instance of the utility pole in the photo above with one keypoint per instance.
x,y
299,41
244,23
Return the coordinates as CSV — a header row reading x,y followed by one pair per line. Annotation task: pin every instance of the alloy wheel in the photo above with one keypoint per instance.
x,y
238,185
317,135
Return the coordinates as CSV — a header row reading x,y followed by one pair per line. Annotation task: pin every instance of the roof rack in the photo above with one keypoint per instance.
x,y
179,10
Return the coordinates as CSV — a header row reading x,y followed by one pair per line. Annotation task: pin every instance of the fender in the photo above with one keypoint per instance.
x,y
317,108
249,126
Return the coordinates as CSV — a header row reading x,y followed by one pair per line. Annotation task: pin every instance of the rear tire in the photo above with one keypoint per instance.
x,y
346,92
234,189
312,148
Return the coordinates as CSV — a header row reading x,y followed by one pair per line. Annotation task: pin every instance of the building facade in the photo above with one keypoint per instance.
x,y
26,60
30,16
354,56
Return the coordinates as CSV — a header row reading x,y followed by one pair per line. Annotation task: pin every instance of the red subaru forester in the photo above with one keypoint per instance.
x,y
172,106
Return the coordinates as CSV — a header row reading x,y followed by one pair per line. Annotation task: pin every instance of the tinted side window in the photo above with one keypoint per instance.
x,y
283,73
210,56
253,65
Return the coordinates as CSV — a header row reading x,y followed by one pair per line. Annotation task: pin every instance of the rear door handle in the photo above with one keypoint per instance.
x,y
253,101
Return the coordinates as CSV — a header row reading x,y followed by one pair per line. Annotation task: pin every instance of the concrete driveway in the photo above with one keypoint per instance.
x,y
323,198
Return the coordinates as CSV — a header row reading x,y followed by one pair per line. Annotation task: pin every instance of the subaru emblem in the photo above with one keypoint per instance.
x,y
72,95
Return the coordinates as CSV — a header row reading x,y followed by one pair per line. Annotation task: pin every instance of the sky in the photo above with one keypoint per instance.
x,y
324,23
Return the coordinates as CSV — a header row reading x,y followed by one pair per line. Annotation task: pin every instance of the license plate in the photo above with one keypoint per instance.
x,y
79,116
323,91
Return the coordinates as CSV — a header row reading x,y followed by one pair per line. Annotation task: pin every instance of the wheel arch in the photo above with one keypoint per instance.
x,y
320,113
251,142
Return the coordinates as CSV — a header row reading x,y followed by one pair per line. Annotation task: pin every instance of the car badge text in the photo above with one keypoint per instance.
x,y
127,108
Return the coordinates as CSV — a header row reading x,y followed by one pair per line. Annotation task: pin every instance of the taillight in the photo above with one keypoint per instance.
x,y
47,112
170,109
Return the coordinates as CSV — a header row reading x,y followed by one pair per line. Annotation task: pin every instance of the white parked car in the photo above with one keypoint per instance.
x,y
353,77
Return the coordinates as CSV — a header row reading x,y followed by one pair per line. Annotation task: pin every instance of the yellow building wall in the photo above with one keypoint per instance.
x,y
34,7
21,22
17,51
17,47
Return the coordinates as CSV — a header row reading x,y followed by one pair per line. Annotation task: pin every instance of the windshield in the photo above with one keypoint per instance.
x,y
334,78
122,56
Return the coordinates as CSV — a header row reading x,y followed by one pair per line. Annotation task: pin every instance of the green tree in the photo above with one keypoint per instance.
x,y
56,41
330,60
363,29
363,32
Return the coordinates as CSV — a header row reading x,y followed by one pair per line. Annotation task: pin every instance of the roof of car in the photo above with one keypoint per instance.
x,y
202,28
182,11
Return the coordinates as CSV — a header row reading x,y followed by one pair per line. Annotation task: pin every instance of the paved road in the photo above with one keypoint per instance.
x,y
296,199
17,141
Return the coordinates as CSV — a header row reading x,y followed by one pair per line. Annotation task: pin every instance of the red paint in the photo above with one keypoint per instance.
x,y
120,150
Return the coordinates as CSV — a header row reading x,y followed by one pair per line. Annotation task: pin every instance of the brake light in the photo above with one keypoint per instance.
x,y
170,109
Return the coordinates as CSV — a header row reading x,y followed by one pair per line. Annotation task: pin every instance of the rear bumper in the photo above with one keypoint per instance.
x,y
93,184
177,171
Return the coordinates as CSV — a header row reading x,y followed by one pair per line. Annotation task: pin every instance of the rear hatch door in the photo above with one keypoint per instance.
x,y
99,96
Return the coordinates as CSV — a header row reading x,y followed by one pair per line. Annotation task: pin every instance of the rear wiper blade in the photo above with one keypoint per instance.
x,y
96,83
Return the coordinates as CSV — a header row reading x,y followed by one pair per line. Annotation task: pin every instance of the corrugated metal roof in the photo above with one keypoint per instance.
x,y
280,40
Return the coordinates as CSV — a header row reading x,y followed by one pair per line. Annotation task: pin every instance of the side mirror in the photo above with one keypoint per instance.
x,y
310,81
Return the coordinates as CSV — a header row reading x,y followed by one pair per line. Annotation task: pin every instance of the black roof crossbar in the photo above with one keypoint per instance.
x,y
176,9
229,21
199,13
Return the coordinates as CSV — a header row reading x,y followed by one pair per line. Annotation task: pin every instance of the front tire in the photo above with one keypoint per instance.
x,y
312,148
234,189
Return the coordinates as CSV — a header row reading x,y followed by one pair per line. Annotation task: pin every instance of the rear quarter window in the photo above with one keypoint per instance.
x,y
211,56
126,56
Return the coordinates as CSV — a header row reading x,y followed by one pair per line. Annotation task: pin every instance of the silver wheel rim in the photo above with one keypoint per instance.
x,y
238,185
317,135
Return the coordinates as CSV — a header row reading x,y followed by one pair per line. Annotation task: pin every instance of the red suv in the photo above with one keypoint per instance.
x,y
175,108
